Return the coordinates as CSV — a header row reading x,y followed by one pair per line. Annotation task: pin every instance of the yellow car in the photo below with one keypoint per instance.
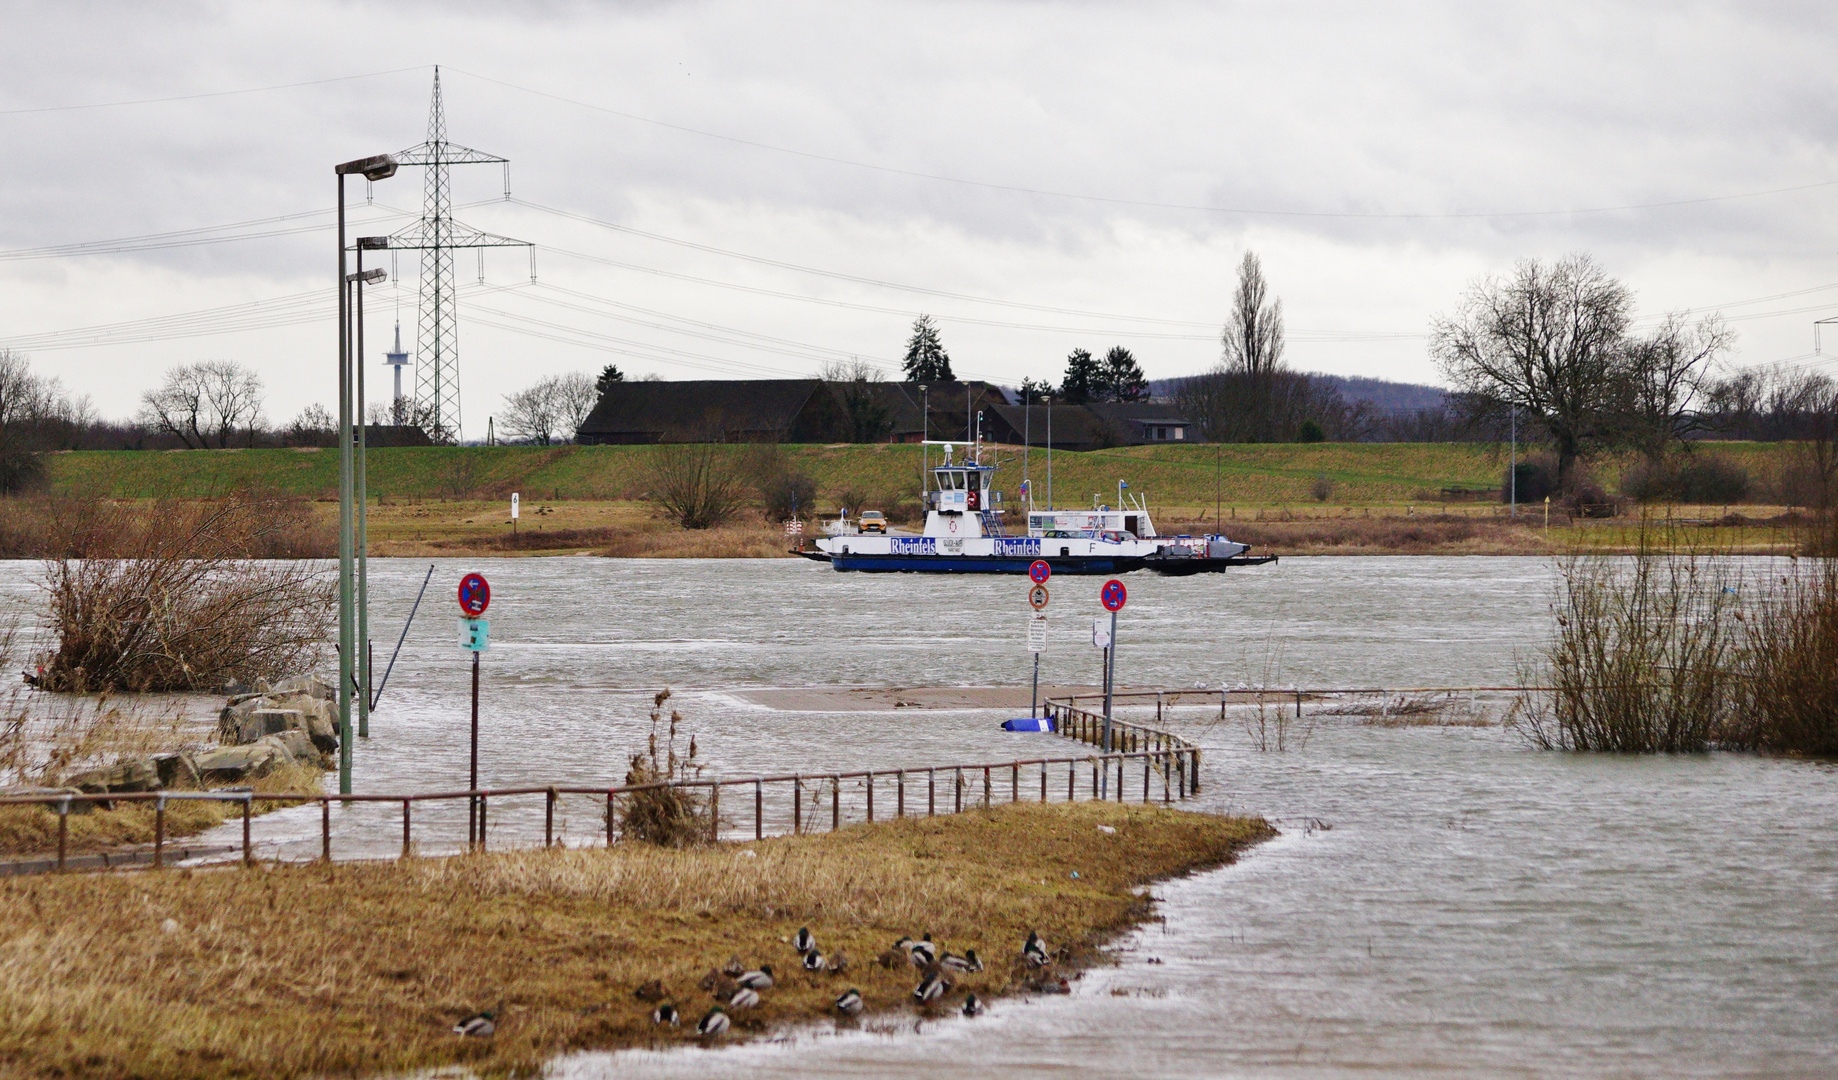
x,y
873,521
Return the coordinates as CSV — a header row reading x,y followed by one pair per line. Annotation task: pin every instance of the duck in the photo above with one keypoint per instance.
x,y
973,1006
650,990
1050,986
760,979
743,998
965,963
838,962
665,1014
479,1024
932,988
714,1022
1034,951
814,961
924,952
717,983
804,941
849,1002
733,969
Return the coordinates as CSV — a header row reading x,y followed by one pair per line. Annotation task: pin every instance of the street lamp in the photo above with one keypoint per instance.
x,y
358,280
925,435
377,167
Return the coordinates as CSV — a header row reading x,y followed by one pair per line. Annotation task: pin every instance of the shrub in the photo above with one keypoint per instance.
x,y
1322,489
1586,499
1693,478
693,484
180,606
1310,431
1537,480
1786,681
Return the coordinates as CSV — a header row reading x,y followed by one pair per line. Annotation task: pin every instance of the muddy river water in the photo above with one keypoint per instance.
x,y
1475,907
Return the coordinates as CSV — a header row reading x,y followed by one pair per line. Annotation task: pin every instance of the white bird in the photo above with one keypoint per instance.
x,y
966,963
850,1003
813,961
805,941
931,988
973,1006
479,1024
714,1022
743,998
664,1014
757,980
1034,951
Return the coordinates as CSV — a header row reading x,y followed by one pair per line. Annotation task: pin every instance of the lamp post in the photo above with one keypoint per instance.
x,y
362,469
378,167
925,435
1048,398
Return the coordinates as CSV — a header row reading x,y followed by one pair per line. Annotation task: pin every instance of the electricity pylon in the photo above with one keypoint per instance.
x,y
436,235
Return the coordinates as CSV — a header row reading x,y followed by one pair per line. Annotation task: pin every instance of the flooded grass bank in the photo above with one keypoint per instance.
x,y
363,969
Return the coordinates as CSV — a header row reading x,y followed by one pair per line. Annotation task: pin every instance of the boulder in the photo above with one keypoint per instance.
x,y
304,685
127,774
323,731
230,764
273,721
295,744
179,771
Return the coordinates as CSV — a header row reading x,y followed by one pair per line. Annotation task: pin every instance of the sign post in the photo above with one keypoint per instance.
x,y
475,636
514,513
1113,596
1038,572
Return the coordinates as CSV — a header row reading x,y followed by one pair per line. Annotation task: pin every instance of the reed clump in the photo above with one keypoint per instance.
x,y
362,969
667,816
177,603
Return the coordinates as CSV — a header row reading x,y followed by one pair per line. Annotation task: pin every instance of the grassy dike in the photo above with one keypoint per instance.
x,y
1263,474
362,969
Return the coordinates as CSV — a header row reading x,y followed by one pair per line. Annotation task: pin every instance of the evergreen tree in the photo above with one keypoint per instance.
x,y
1123,377
610,375
1031,389
1084,379
926,360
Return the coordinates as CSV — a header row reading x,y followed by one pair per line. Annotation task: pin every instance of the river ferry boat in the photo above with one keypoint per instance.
x,y
964,534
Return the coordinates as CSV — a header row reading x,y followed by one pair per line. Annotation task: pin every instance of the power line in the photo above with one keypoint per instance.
x,y
209,94
1148,203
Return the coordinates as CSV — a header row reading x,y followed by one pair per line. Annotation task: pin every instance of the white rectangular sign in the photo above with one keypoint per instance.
x,y
1100,632
474,634
513,506
1037,633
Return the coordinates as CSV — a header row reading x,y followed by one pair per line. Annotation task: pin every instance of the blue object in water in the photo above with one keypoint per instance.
x,y
1029,723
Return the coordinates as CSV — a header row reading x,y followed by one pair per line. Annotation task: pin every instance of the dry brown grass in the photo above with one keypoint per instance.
x,y
363,969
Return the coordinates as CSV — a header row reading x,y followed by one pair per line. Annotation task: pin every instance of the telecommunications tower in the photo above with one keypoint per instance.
x,y
436,235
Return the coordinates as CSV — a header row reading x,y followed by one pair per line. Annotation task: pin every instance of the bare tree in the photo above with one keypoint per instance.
x,y
532,413
870,418
205,405
576,395
1253,333
1549,341
1667,372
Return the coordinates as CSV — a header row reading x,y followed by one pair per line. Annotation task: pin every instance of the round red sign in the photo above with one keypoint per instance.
x,y
1039,571
474,595
1113,595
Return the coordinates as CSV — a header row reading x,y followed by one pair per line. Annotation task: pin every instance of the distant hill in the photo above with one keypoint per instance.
x,y
1386,396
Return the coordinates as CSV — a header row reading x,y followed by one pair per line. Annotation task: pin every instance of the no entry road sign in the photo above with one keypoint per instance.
x,y
1113,595
1039,571
474,595
1037,596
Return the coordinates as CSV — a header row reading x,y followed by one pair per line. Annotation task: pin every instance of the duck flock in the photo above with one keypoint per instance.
x,y
737,987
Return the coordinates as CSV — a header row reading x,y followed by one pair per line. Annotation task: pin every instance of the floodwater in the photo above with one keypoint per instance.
x,y
1443,900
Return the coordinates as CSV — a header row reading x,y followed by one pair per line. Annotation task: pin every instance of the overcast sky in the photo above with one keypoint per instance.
x,y
1037,176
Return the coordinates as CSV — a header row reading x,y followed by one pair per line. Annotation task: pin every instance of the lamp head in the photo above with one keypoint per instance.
x,y
368,277
377,167
373,243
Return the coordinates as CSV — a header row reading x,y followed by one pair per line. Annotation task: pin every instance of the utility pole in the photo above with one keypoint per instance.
x,y
1512,468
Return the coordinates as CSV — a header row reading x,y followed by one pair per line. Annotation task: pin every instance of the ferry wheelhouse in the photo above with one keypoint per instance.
x,y
965,532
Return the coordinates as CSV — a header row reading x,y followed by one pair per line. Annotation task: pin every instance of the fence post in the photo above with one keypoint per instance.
x,y
1145,779
248,812
899,806
1298,704
1094,778
1014,782
406,803
957,795
1165,779
1158,706
1180,771
609,818
714,813
871,795
931,792
548,818
325,828
1072,781
1193,786
1222,703
797,805
159,832
1043,781
986,785
759,811
63,829
835,803
482,801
